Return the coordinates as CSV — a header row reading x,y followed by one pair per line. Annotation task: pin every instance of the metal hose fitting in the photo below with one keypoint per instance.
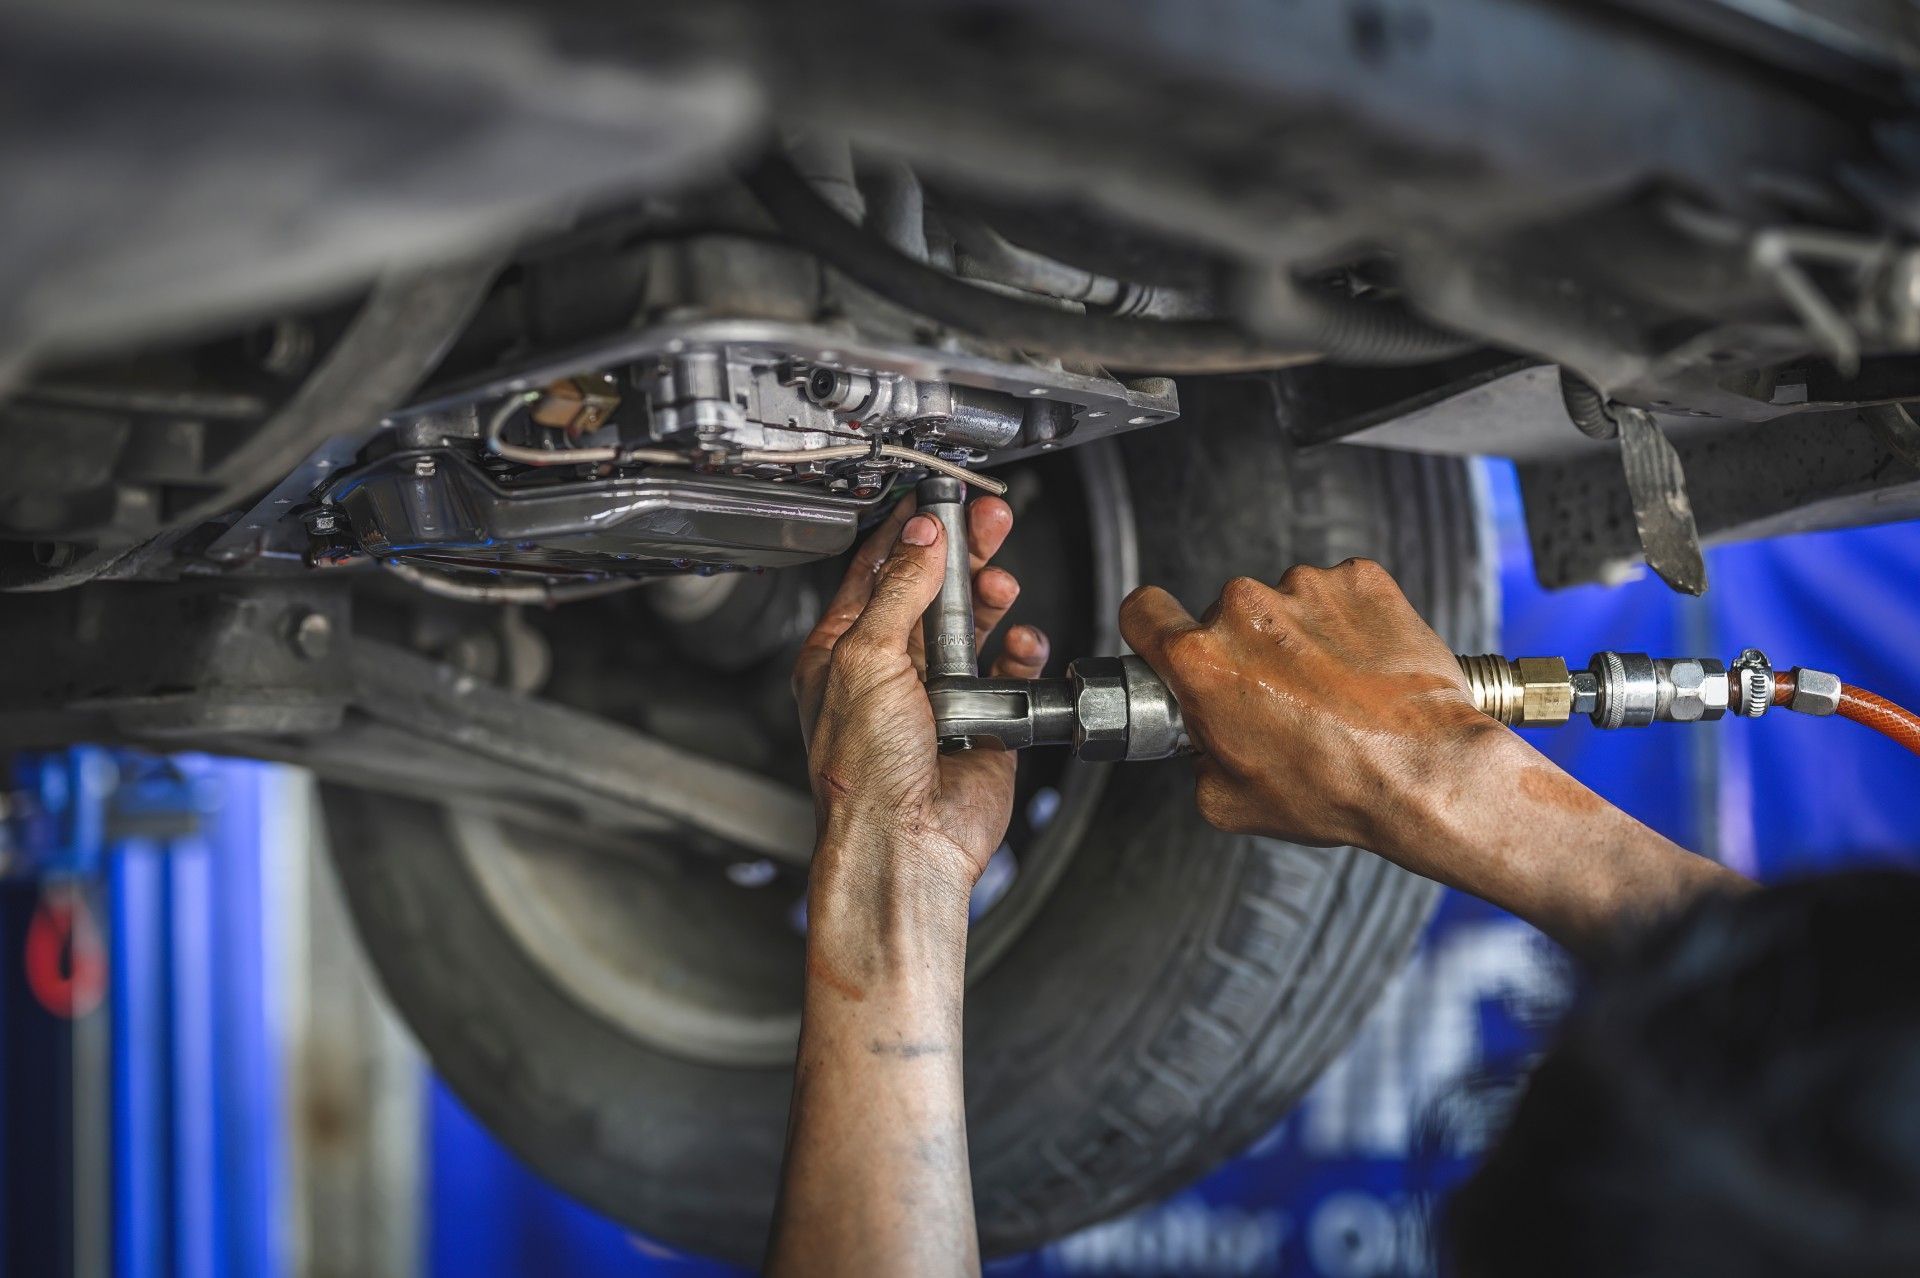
x,y
1632,690
1493,685
1618,689
1528,692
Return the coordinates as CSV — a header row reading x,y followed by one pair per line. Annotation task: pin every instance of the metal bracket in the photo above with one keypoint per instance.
x,y
1661,511
272,671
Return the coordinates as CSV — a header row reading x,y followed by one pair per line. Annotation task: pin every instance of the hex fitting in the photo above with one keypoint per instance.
x,y
1815,692
1586,692
1121,711
1690,689
1099,709
1523,693
1751,683
1633,690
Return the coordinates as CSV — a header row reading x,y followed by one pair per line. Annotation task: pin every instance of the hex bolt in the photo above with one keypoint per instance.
x,y
423,467
312,635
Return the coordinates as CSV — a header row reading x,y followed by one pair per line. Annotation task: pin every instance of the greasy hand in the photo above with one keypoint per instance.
x,y
881,789
1324,710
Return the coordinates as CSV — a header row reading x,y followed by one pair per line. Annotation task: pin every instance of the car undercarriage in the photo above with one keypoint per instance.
x,y
470,404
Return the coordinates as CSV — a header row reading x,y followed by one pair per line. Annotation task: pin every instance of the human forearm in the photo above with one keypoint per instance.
x,y
1326,711
1505,824
876,1178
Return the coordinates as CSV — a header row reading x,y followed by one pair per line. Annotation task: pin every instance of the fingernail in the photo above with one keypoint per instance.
x,y
920,531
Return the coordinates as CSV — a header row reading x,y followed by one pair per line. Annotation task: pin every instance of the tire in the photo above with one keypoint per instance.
x,y
1169,999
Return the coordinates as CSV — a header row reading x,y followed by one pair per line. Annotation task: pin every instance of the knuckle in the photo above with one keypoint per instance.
x,y
1365,572
1244,594
1301,577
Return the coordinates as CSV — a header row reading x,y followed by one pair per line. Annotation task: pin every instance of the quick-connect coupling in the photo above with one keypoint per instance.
x,y
1617,690
1635,690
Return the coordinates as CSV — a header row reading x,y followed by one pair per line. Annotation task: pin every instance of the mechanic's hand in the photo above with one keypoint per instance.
x,y
880,784
1324,710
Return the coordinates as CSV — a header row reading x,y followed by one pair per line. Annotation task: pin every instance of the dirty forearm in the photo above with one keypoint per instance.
x,y
1509,826
1326,711
876,1179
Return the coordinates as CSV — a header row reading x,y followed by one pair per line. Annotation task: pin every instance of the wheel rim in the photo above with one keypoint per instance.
x,y
703,966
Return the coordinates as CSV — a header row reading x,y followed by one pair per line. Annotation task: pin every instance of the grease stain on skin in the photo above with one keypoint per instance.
x,y
1558,790
818,969
906,1051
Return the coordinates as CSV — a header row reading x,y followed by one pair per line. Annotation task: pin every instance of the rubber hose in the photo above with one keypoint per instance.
x,y
1880,714
1338,328
1888,718
1587,407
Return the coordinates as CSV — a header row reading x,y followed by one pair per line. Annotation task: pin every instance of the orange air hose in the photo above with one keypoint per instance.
x,y
1861,706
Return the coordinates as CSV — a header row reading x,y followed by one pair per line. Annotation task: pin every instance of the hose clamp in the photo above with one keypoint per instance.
x,y
1752,683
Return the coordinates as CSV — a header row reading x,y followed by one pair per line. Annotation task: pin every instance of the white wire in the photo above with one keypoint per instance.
x,y
537,456
665,457
842,452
